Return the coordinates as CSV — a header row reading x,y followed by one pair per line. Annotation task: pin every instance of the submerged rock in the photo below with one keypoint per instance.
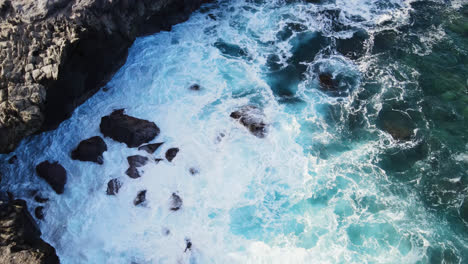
x,y
140,199
176,202
398,124
171,154
54,174
127,129
195,87
90,150
135,162
151,148
113,186
252,118
40,199
20,240
39,212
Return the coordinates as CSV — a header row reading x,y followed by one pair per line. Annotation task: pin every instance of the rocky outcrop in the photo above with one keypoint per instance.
x,y
127,129
90,149
20,239
54,174
252,118
54,54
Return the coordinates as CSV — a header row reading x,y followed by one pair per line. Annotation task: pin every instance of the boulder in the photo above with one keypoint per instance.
x,y
90,150
13,160
39,212
20,239
140,199
171,154
150,148
127,129
135,162
188,245
40,199
113,186
252,118
176,202
195,87
54,174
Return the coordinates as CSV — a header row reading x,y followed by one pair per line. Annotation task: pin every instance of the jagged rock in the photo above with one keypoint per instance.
x,y
20,239
151,148
90,150
13,159
188,245
56,54
134,162
39,212
140,198
40,199
171,154
176,202
113,186
252,118
127,129
54,174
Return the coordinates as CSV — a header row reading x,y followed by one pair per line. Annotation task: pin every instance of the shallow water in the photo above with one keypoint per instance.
x,y
328,184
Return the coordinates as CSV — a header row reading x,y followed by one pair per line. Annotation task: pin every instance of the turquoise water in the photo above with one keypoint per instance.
x,y
372,170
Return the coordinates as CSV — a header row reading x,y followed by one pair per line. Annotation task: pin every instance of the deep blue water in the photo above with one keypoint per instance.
x,y
365,158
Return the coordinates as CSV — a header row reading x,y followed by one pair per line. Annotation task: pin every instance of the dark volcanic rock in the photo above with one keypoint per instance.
x,y
127,129
90,150
397,124
39,212
194,171
140,198
113,186
40,199
56,54
135,162
54,174
13,160
171,154
252,118
176,202
195,87
151,148
188,245
20,240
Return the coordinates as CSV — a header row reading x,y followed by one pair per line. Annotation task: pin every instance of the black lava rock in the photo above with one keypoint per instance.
x,y
39,212
171,154
127,129
113,186
151,148
13,159
252,118
135,162
194,171
176,202
90,150
195,87
54,174
40,199
188,245
140,198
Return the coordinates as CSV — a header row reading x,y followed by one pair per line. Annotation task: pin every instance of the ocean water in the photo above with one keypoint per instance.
x,y
328,184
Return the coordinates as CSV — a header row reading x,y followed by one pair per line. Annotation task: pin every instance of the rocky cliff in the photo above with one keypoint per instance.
x,y
54,54
20,240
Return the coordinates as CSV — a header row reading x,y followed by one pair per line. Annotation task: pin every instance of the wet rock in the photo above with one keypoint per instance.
x,y
171,154
188,245
113,186
230,50
13,159
194,171
20,240
399,125
176,202
40,199
326,81
140,199
39,212
195,87
151,148
54,174
127,129
252,118
135,162
158,160
90,150
166,231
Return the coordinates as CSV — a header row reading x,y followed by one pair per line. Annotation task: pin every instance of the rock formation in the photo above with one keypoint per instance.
x,y
20,240
55,54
